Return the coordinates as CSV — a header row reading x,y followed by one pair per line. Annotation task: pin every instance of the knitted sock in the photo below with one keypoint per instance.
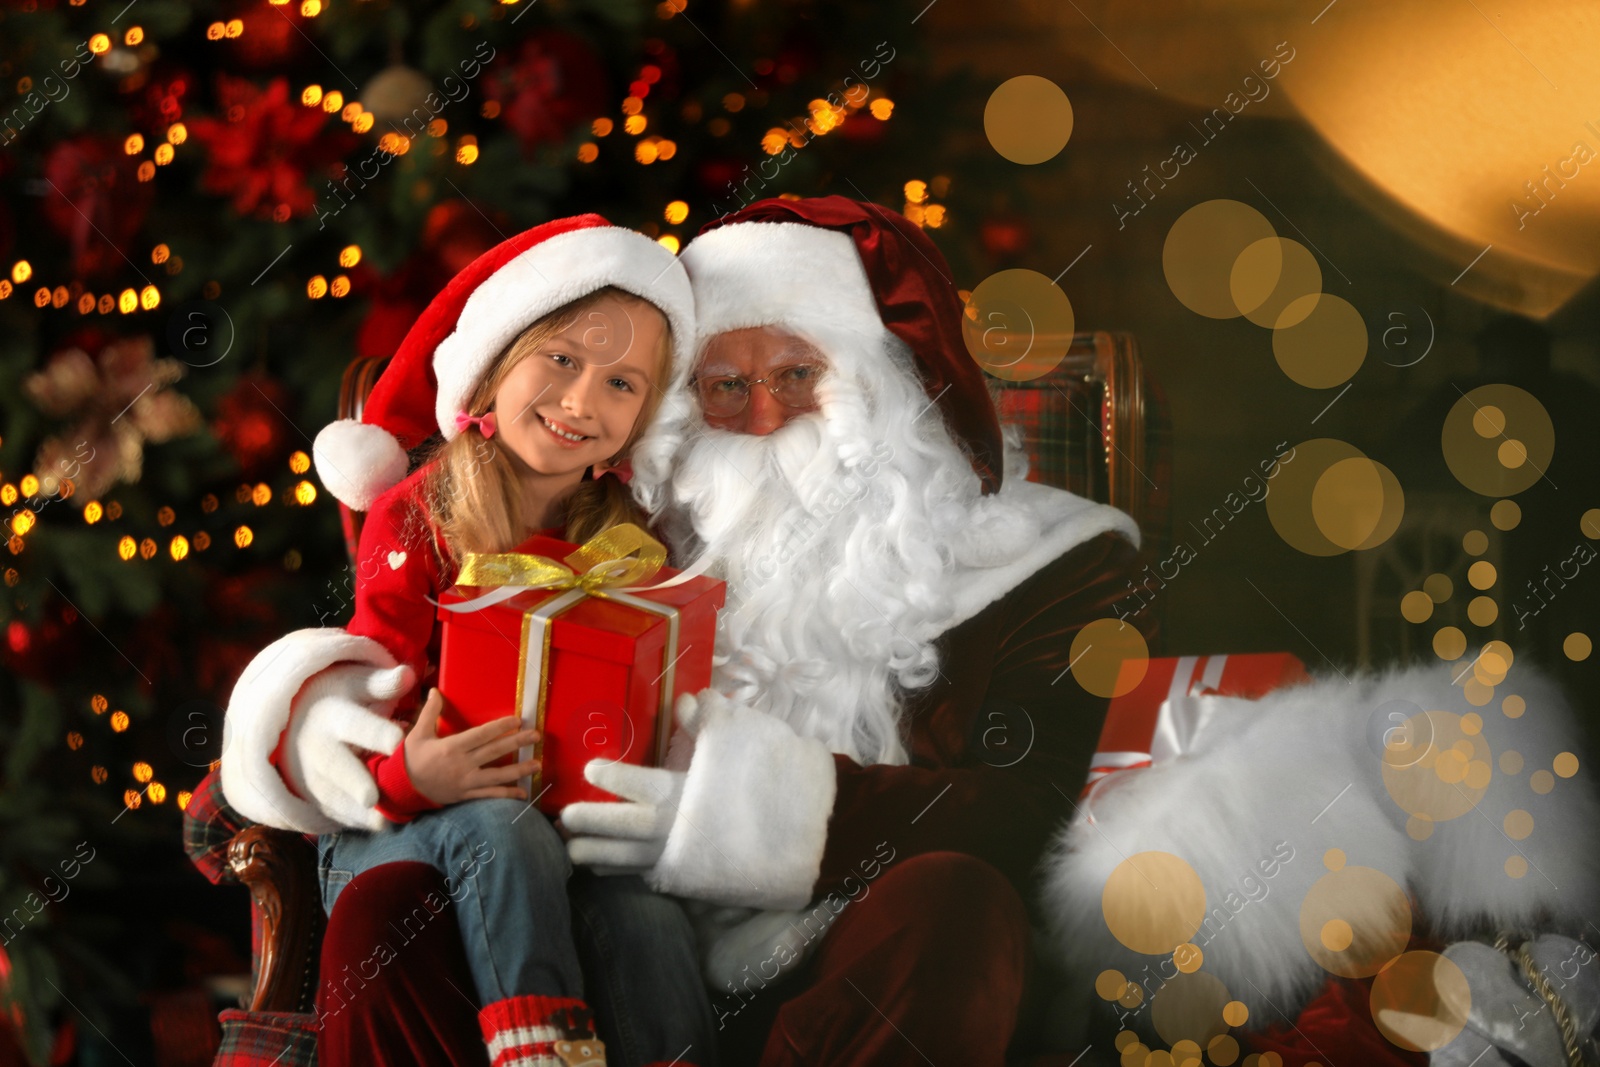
x,y
533,1031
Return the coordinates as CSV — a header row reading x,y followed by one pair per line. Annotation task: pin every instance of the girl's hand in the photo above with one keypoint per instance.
x,y
454,768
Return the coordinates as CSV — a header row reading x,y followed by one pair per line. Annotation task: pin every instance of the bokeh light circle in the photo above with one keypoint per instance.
x,y
1354,920
1333,499
1320,341
1269,276
1028,119
1189,1007
1433,767
1505,463
1109,657
1153,902
1018,325
1420,1001
1201,249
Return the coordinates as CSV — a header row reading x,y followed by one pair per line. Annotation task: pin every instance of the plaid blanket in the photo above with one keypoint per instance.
x,y
267,1039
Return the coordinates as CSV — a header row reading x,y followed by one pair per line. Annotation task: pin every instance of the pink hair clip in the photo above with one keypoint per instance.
x,y
485,422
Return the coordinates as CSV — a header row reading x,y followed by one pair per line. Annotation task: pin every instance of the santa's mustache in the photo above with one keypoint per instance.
x,y
784,454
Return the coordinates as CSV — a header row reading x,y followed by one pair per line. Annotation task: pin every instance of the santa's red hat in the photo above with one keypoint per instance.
x,y
470,323
830,261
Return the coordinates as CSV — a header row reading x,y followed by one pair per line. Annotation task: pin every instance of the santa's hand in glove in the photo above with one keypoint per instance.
x,y
329,722
628,836
744,825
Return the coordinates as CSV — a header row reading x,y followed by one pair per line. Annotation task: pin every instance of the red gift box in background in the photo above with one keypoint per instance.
x,y
605,665
1157,720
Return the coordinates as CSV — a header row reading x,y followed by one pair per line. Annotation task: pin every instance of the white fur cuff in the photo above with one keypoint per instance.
x,y
754,815
259,710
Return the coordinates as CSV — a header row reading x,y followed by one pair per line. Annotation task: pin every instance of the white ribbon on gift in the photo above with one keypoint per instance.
x,y
1190,705
536,656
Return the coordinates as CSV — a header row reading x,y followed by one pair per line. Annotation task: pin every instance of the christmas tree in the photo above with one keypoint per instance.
x,y
208,211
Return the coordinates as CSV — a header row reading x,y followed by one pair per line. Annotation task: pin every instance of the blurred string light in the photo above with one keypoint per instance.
x,y
919,206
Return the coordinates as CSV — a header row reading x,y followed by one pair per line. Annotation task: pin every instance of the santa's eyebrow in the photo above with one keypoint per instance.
x,y
803,351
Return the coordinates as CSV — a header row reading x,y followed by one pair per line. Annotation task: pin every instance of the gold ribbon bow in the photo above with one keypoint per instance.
x,y
616,559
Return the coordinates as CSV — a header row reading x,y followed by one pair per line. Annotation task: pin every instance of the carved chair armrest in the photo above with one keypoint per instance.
x,y
280,868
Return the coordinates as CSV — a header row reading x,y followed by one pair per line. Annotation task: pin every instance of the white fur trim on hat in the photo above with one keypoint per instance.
x,y
259,710
1269,786
544,278
358,461
779,274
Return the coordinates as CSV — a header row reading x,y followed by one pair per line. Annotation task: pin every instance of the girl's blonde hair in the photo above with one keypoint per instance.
x,y
473,489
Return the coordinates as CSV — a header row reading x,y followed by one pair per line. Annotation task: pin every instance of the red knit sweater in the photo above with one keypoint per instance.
x,y
397,571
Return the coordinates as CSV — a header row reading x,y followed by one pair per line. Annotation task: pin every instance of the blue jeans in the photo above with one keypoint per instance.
x,y
532,925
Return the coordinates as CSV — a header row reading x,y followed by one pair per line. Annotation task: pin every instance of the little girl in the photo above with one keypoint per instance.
x,y
540,364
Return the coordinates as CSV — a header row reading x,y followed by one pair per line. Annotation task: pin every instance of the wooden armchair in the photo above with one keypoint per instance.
x,y
1096,425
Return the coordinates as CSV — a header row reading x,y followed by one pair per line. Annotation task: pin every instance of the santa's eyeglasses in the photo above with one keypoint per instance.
x,y
723,396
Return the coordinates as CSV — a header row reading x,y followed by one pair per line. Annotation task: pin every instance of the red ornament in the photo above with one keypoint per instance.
x,y
271,36
661,69
264,147
716,174
1005,237
95,201
553,82
250,424
161,102
43,652
455,234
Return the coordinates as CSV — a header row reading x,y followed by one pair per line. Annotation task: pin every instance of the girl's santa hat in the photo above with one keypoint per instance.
x,y
829,263
461,333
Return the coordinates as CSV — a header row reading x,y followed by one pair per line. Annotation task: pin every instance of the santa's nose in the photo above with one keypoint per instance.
x,y
764,414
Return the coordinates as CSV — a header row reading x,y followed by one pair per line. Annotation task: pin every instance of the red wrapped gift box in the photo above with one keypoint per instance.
x,y
1158,718
597,674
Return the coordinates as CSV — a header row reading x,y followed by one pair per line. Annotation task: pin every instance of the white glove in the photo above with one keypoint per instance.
x,y
627,836
333,717
752,942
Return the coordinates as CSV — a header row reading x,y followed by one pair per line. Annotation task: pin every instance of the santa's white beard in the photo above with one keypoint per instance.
x,y
837,535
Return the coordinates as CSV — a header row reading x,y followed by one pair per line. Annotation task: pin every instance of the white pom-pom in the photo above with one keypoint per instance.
x,y
357,461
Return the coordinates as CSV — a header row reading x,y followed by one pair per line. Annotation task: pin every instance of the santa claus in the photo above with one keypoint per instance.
x,y
892,730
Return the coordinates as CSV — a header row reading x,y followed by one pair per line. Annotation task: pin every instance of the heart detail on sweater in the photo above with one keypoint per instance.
x,y
397,560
